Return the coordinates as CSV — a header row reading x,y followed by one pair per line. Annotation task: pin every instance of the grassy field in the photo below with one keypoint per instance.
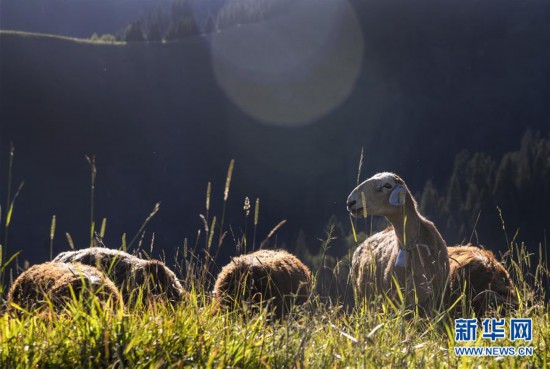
x,y
194,333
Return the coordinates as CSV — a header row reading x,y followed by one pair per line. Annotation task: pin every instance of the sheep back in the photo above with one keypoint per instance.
x,y
485,281
53,281
275,277
130,273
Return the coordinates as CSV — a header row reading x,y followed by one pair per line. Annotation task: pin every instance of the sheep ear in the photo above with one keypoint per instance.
x,y
397,196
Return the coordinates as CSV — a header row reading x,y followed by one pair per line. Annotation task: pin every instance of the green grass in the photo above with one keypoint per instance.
x,y
195,333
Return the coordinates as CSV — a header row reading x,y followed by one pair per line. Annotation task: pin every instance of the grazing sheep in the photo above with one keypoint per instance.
x,y
411,249
130,272
485,281
52,282
273,276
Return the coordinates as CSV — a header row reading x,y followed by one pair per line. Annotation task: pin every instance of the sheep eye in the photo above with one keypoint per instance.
x,y
388,186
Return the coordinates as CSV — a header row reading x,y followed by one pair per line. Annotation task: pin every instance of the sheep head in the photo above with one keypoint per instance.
x,y
382,194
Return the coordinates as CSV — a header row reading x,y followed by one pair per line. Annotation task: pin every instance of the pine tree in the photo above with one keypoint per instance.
x,y
134,32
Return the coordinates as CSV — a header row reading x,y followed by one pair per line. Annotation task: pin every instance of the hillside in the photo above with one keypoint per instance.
x,y
165,118
76,18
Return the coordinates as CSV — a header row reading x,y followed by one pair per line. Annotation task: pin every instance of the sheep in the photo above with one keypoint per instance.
x,y
274,277
130,273
411,249
52,282
484,280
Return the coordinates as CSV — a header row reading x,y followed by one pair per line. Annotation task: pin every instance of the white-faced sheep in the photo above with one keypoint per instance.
x,y
275,277
131,274
56,284
485,282
411,249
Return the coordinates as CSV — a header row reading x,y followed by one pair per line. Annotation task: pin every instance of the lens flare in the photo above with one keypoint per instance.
x,y
293,69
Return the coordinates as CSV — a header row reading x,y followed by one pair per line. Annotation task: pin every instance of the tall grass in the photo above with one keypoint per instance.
x,y
196,333
5,259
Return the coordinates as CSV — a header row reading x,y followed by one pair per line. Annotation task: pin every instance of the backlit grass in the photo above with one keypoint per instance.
x,y
195,333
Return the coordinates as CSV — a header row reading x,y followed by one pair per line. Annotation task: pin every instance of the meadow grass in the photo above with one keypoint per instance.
x,y
197,333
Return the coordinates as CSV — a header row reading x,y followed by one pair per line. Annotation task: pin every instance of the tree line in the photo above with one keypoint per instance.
x,y
491,201
184,18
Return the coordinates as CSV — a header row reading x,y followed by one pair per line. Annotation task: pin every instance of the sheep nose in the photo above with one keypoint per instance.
x,y
351,203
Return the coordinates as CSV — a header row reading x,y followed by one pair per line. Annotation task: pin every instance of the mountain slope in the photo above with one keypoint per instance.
x,y
163,121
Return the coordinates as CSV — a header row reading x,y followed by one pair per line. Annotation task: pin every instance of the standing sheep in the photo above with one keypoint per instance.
x,y
411,249
478,274
273,276
53,282
129,272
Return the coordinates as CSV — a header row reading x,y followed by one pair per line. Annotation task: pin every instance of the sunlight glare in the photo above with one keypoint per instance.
x,y
292,69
